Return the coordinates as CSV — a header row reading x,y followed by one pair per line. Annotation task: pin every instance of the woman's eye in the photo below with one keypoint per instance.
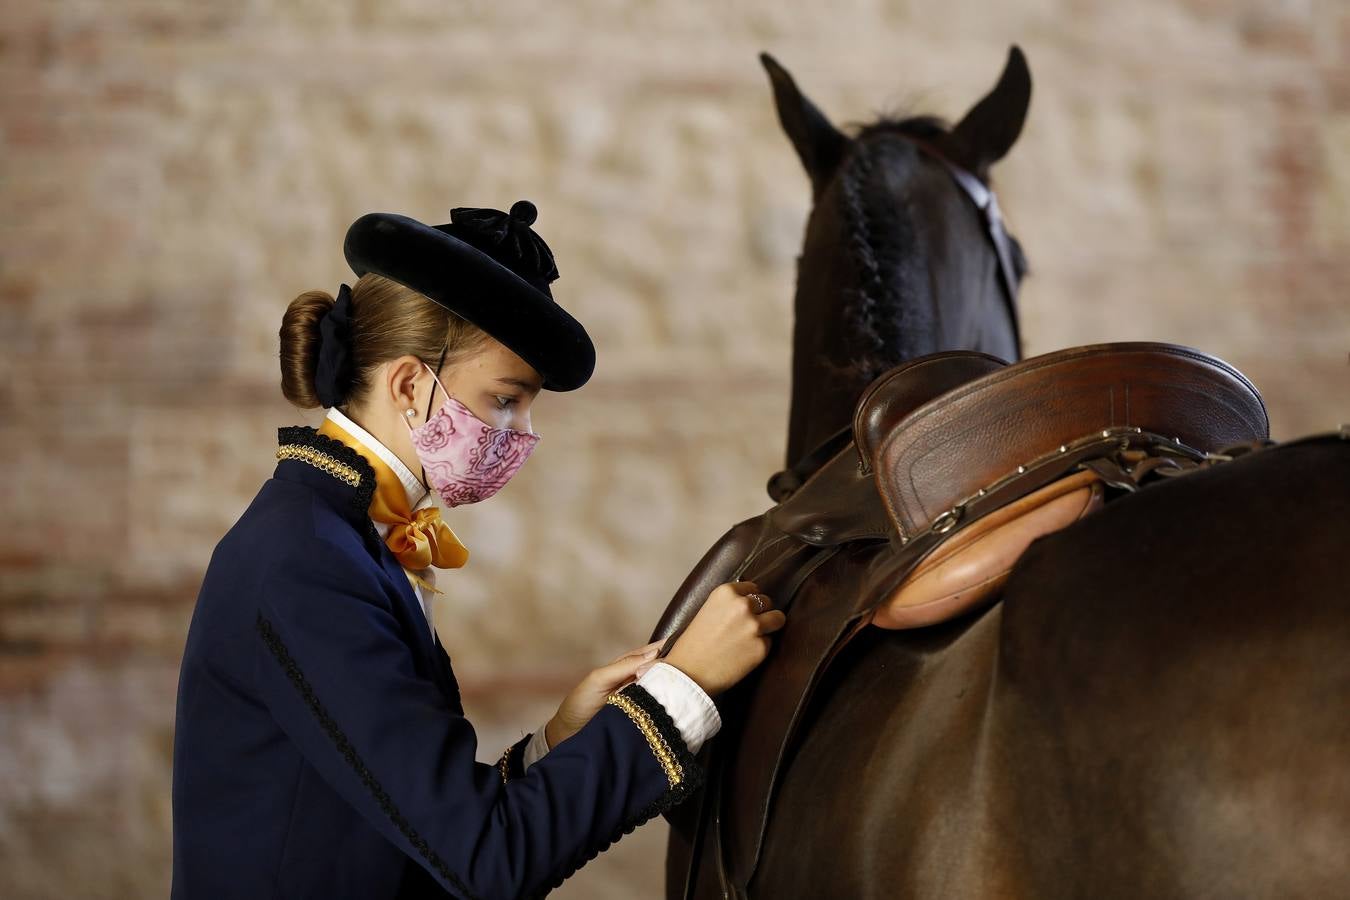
x,y
505,402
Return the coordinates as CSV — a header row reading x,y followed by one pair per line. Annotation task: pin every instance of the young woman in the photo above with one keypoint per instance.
x,y
320,747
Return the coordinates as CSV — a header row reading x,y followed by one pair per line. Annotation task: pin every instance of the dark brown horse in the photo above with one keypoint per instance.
x,y
1157,705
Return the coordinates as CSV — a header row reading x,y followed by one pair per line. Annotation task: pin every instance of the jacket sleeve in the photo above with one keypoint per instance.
x,y
337,675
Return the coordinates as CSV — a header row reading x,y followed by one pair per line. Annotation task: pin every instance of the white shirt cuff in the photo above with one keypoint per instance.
x,y
536,748
689,706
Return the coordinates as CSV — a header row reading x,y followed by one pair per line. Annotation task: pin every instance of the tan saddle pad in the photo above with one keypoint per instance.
x,y
967,570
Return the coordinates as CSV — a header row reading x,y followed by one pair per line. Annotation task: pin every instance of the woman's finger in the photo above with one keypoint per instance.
x,y
759,603
616,673
744,587
771,621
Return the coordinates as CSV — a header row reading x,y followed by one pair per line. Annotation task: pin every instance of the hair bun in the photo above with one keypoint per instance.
x,y
301,339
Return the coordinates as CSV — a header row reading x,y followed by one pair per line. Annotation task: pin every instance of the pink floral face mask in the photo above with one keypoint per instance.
x,y
467,460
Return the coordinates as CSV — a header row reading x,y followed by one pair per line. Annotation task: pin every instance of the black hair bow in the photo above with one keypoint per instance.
x,y
334,375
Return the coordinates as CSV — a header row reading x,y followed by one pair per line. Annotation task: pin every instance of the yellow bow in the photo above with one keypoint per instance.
x,y
417,539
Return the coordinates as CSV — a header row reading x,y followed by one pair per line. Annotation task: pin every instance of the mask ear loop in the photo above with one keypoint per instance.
x,y
436,380
436,376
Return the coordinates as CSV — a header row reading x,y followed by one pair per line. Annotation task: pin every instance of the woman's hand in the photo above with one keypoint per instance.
x,y
587,698
727,638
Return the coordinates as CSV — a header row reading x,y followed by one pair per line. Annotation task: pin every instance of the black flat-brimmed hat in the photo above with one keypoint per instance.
x,y
489,267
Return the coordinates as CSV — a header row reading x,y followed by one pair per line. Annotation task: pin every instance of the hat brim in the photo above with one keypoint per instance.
x,y
473,285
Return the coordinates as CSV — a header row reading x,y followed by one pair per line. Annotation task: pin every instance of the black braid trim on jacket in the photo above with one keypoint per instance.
x,y
344,746
310,437
692,781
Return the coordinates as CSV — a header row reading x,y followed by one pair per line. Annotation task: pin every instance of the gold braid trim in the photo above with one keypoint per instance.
x,y
674,771
320,460
504,764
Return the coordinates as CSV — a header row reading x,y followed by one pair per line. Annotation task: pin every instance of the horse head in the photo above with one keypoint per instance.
x,y
904,252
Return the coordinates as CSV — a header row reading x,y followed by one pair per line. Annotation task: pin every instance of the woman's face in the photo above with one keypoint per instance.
x,y
496,384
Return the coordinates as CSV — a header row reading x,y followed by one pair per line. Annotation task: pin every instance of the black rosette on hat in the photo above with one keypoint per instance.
x,y
490,267
507,238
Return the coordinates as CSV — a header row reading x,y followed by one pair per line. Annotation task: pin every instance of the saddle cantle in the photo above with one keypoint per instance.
x,y
941,455
957,462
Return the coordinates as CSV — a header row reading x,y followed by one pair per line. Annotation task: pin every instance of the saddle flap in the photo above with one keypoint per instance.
x,y
837,504
945,451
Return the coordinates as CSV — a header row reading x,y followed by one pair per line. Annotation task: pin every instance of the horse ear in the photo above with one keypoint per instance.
x,y
819,144
991,127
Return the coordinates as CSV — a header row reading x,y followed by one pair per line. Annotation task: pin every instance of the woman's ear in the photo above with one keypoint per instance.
x,y
402,383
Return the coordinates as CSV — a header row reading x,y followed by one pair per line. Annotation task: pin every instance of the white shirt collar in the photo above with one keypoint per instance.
x,y
418,496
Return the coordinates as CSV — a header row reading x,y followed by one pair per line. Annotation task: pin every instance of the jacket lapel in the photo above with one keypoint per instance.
x,y
346,480
427,645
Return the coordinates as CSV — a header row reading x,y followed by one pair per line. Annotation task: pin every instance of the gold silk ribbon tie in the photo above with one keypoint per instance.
x,y
417,539
424,540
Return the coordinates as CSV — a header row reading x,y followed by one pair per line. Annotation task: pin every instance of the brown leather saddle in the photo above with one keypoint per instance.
x,y
953,464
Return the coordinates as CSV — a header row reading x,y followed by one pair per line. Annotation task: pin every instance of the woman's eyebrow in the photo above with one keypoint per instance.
x,y
532,387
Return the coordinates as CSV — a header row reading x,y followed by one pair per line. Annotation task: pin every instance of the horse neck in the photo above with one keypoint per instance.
x,y
893,267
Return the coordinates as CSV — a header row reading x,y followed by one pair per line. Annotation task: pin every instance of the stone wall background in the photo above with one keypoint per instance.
x,y
172,174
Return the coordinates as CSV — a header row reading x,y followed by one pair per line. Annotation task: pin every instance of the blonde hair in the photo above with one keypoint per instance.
x,y
388,320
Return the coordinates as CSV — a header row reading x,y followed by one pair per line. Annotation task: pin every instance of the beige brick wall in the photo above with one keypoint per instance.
x,y
171,174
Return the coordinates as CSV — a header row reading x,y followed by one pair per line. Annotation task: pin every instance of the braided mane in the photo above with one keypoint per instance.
x,y
883,309
885,316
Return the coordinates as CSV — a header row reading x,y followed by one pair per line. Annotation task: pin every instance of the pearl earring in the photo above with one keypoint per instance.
x,y
412,412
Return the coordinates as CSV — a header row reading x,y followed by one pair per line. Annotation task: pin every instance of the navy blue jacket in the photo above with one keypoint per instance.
x,y
320,748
